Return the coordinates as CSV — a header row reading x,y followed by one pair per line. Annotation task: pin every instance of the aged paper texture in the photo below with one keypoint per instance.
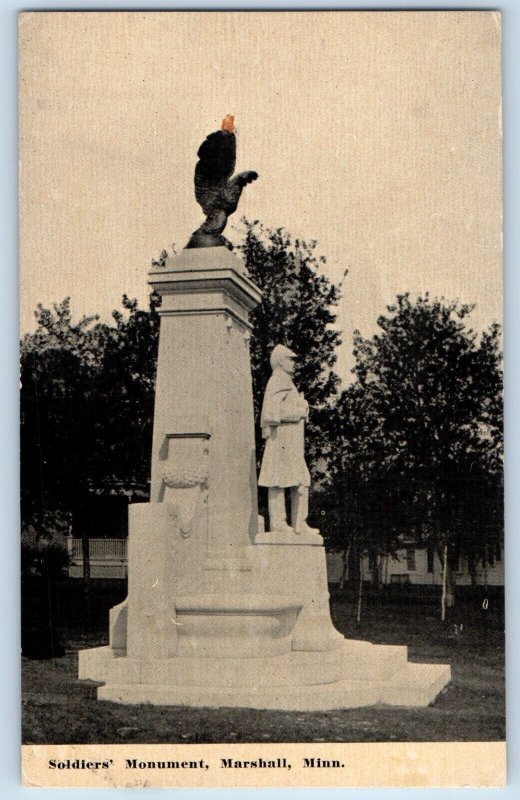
x,y
183,626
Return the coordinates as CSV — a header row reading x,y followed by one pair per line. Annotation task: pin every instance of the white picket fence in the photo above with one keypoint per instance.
x,y
108,558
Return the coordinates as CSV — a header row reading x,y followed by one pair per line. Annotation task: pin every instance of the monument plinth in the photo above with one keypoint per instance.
x,y
220,613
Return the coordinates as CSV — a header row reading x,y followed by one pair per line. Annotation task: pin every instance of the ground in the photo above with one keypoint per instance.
x,y
60,709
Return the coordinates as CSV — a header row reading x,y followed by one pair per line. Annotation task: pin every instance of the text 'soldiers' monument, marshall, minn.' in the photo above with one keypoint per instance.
x,y
219,612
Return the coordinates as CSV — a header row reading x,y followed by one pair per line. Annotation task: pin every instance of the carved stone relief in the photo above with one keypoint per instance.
x,y
185,476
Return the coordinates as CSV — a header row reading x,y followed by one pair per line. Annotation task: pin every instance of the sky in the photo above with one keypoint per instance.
x,y
377,134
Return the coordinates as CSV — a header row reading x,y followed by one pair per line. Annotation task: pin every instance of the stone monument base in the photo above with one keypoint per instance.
x,y
294,681
259,637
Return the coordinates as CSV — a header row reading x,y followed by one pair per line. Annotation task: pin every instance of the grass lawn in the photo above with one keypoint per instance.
x,y
59,709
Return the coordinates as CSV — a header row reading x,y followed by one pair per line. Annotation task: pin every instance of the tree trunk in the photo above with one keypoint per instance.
x,y
360,589
344,570
450,587
354,560
380,567
472,569
85,550
444,560
448,583
374,570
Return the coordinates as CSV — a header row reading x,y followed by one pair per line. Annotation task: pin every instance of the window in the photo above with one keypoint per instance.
x,y
398,578
410,559
430,554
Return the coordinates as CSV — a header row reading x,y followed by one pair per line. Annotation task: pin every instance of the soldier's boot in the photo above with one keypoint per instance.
x,y
277,514
300,509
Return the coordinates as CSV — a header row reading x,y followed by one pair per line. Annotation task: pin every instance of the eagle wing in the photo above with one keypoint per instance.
x,y
217,157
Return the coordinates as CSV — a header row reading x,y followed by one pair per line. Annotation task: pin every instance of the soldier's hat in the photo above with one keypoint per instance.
x,y
279,352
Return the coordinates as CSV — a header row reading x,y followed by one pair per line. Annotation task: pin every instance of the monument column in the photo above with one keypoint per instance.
x,y
203,425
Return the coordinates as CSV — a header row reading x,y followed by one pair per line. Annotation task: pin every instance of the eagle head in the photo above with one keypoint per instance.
x,y
228,123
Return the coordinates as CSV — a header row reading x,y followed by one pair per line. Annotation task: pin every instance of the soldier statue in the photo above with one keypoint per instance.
x,y
284,412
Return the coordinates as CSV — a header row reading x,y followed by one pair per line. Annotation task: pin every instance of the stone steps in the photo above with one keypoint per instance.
x,y
366,661
301,698
360,674
416,684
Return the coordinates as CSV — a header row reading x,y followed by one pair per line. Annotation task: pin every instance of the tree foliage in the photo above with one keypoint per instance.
x,y
421,433
86,407
297,310
122,398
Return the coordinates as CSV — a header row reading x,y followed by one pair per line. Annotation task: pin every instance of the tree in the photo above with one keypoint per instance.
x,y
297,310
86,407
123,395
58,363
423,420
358,494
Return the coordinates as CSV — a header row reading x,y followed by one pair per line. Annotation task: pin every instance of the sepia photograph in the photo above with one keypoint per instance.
x,y
262,536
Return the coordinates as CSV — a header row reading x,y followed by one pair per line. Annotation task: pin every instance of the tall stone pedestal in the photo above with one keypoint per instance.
x,y
219,613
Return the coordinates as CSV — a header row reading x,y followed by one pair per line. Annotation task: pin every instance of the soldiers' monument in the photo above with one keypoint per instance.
x,y
219,612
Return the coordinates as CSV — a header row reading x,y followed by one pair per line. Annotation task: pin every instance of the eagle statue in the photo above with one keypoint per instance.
x,y
215,190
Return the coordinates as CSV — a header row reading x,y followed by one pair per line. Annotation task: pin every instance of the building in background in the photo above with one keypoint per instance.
x,y
420,567
414,566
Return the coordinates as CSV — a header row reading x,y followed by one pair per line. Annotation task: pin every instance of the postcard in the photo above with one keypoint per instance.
x,y
261,399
